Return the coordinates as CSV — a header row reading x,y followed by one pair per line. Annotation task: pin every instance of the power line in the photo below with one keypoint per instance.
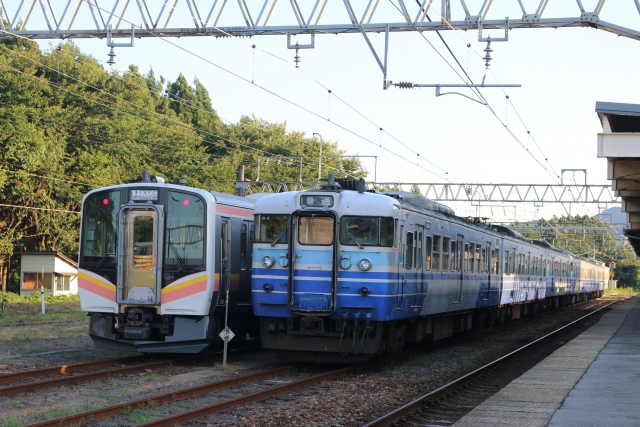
x,y
253,46
273,93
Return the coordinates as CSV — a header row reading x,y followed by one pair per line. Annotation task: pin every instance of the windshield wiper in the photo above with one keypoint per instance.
x,y
175,252
354,239
278,238
102,260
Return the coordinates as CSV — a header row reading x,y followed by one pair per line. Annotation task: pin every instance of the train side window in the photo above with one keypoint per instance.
x,y
243,246
496,261
528,266
472,250
478,263
454,257
419,251
429,249
506,263
484,260
446,245
408,256
436,254
466,257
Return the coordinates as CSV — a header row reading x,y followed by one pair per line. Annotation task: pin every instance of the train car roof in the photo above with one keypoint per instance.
x,y
217,196
379,202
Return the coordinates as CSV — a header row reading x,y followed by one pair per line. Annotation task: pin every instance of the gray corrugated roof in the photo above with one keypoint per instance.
x,y
617,108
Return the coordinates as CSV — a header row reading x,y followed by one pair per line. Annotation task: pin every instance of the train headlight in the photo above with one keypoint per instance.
x,y
345,263
267,287
364,291
364,264
267,261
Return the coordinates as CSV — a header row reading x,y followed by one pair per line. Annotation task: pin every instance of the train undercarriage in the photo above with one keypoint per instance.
x,y
324,340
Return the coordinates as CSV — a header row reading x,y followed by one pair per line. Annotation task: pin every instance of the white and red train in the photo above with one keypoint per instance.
x,y
155,262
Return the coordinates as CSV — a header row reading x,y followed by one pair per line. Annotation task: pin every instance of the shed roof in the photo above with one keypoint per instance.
x,y
49,253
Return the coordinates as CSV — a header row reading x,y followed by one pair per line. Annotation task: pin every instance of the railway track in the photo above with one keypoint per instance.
x,y
473,386
68,379
449,403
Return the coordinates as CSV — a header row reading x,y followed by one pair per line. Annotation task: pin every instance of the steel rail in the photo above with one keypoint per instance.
x,y
74,379
258,396
62,369
417,404
110,411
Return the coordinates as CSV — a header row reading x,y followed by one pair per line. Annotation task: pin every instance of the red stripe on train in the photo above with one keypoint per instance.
x,y
231,210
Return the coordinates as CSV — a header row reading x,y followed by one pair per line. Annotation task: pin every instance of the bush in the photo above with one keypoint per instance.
x,y
35,298
627,276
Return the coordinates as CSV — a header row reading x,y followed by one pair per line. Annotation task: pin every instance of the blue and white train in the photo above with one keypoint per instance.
x,y
340,274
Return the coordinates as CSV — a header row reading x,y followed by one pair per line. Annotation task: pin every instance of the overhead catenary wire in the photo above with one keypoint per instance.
x,y
269,91
178,123
550,171
329,91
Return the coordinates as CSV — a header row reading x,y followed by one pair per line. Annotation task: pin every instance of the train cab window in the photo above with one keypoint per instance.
x,y
100,227
446,245
366,231
496,261
315,230
455,261
271,229
408,255
184,233
429,248
435,265
478,263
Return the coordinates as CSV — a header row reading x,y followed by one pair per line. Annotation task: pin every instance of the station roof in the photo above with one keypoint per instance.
x,y
622,117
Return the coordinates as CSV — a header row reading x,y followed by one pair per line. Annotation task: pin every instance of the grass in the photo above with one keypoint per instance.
x,y
59,413
152,377
149,413
12,422
20,312
621,291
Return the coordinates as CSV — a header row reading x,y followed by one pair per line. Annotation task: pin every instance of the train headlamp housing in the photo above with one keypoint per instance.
x,y
345,263
267,261
364,291
364,264
267,287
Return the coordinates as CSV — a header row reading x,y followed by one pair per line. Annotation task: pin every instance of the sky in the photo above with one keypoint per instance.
x,y
563,72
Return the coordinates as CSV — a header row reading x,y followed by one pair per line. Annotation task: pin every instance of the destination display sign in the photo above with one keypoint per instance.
x,y
316,201
144,195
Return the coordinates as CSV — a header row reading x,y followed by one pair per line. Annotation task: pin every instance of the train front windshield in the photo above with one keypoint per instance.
x,y
99,243
182,227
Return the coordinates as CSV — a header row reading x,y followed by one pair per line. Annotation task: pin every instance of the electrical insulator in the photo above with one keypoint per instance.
x,y
112,57
405,85
487,57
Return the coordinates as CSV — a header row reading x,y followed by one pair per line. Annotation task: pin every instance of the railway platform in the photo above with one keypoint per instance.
x,y
593,380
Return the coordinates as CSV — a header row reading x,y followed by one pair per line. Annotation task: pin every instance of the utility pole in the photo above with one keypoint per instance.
x,y
320,158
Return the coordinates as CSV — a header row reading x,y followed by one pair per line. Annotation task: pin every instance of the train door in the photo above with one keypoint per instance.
x,y
139,272
401,265
421,285
487,262
224,259
459,270
244,262
312,274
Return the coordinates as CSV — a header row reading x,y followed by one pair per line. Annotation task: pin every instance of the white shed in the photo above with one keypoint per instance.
x,y
57,273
